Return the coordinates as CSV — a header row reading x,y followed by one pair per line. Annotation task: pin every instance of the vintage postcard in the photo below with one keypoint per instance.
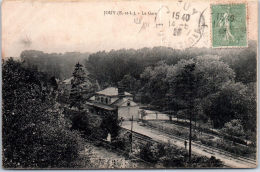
x,y
129,84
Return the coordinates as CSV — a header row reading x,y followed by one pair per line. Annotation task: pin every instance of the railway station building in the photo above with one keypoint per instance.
x,y
114,100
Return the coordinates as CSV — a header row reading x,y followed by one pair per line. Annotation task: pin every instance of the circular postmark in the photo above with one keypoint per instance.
x,y
180,27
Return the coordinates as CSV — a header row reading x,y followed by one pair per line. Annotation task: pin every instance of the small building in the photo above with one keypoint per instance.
x,y
65,87
114,100
90,85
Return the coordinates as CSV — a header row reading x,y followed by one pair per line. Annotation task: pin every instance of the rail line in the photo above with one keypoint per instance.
x,y
208,149
204,133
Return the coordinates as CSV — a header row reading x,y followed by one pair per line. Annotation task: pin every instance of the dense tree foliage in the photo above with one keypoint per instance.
x,y
155,84
215,94
243,63
231,102
111,67
110,124
225,79
95,126
82,87
59,65
171,156
233,128
78,86
35,132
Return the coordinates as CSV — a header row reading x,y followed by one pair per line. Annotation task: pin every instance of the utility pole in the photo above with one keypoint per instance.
x,y
191,96
132,134
190,139
185,89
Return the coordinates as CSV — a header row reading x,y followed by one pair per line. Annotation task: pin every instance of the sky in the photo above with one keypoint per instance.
x,y
86,26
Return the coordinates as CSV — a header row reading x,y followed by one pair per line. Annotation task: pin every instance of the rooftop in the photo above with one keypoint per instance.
x,y
99,105
67,81
121,101
111,91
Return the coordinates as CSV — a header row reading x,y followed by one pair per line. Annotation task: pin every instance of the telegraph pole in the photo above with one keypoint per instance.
x,y
190,139
191,96
184,86
132,134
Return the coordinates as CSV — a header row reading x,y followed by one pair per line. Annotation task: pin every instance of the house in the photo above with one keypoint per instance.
x,y
65,87
114,100
89,85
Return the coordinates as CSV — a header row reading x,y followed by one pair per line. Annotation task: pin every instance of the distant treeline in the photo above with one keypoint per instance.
x,y
59,65
110,67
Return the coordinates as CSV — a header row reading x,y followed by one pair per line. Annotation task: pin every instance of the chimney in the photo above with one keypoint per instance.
x,y
121,90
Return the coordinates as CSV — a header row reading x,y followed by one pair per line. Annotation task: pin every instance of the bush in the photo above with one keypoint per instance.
x,y
240,150
35,133
148,152
171,156
122,141
207,142
42,145
236,139
202,161
57,147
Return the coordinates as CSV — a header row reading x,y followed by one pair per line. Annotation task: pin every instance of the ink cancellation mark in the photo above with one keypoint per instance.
x,y
228,25
181,26
185,26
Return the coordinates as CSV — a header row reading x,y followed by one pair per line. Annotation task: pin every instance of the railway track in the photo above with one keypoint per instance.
x,y
249,160
140,136
211,149
208,149
204,133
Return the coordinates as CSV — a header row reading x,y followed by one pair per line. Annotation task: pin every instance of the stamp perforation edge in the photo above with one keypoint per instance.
x,y
247,30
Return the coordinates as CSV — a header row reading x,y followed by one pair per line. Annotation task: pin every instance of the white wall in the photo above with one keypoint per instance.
x,y
113,99
128,112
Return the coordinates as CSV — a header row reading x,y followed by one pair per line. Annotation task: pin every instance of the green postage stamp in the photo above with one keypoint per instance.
x,y
229,25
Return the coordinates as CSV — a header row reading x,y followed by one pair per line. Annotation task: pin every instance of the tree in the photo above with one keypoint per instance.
x,y
244,63
184,86
80,122
55,64
210,75
227,104
155,84
213,73
77,87
35,134
110,123
249,119
148,152
233,129
131,84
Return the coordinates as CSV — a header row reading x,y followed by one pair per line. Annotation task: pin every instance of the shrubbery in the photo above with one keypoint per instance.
x,y
170,156
241,150
35,132
148,152
122,141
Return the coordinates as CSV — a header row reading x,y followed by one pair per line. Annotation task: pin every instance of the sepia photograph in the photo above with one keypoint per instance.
x,y
129,84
